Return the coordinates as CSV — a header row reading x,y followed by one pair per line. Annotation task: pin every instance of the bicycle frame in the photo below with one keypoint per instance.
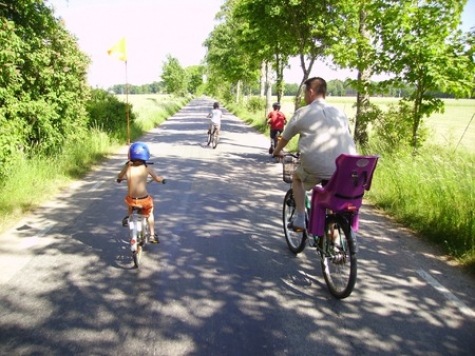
x,y
137,227
213,137
138,234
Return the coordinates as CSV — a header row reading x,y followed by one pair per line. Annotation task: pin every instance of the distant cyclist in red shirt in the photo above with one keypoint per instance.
x,y
276,119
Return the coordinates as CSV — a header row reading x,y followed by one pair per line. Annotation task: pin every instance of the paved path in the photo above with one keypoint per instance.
x,y
222,281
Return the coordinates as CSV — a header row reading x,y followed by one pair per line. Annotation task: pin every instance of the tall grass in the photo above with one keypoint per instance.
x,y
432,193
31,182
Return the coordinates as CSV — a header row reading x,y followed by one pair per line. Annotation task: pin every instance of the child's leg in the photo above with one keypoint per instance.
x,y
151,225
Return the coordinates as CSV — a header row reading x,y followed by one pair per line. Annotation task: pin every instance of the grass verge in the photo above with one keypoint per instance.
x,y
36,180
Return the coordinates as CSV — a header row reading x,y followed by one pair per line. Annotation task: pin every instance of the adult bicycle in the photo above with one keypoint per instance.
x,y
213,137
331,214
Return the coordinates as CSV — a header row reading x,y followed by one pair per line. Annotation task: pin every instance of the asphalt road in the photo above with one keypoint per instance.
x,y
222,281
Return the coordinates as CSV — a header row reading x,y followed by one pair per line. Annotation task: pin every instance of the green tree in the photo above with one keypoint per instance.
x,y
228,64
195,75
283,29
43,77
425,50
174,76
356,49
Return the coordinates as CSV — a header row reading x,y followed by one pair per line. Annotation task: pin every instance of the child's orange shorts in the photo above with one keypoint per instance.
x,y
145,203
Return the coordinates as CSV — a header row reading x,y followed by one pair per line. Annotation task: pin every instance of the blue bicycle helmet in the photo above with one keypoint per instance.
x,y
139,151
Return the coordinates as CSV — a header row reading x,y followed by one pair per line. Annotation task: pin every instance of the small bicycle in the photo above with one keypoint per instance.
x,y
213,137
139,234
331,218
139,230
274,141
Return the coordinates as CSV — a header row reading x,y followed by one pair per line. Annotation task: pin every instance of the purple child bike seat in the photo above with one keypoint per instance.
x,y
343,192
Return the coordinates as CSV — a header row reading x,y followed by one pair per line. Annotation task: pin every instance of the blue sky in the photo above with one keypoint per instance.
x,y
154,29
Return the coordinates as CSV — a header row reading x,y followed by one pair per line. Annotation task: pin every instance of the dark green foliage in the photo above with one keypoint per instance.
x,y
175,77
108,113
394,128
153,88
256,104
42,83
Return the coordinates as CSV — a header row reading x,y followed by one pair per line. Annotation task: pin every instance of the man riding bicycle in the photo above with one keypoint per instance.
x,y
324,134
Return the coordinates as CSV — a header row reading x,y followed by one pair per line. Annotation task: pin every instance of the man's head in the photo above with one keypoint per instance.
x,y
315,88
216,105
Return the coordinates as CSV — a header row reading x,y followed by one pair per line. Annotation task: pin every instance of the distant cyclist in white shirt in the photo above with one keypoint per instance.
x,y
215,116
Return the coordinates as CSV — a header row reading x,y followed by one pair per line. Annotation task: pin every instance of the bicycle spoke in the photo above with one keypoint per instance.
x,y
338,257
295,240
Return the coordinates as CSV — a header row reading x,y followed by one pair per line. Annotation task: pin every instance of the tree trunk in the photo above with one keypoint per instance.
x,y
263,79
306,73
416,119
268,87
238,91
279,70
362,105
362,96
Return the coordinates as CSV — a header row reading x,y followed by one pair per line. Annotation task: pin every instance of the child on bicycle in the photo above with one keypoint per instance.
x,y
136,172
277,120
215,116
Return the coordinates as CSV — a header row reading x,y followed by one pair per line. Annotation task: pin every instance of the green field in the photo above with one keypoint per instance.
x,y
456,123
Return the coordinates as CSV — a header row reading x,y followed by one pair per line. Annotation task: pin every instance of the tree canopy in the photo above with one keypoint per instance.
x,y
43,87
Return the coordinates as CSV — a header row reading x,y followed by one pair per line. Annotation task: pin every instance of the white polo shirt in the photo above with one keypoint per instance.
x,y
324,135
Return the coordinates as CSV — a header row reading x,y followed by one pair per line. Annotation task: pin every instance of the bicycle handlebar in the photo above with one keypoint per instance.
x,y
118,180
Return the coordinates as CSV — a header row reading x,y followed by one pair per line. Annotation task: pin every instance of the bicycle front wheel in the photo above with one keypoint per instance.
x,y
338,256
295,240
136,246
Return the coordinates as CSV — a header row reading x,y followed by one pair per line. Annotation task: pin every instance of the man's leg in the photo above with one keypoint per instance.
x,y
298,223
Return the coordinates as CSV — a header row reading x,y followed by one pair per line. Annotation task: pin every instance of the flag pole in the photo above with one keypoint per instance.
x,y
127,104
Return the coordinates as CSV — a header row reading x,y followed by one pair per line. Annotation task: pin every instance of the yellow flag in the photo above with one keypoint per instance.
x,y
118,50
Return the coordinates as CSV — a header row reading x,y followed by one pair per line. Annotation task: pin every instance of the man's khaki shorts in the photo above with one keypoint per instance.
x,y
309,180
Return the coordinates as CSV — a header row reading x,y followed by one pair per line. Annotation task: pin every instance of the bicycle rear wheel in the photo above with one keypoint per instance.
x,y
210,137
215,139
295,240
338,256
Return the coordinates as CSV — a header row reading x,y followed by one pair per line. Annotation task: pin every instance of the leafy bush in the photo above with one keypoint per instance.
x,y
107,112
42,84
394,127
256,104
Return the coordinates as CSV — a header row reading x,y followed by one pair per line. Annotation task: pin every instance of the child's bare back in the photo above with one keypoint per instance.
x,y
137,176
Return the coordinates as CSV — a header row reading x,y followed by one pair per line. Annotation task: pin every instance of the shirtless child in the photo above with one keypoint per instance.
x,y
136,172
